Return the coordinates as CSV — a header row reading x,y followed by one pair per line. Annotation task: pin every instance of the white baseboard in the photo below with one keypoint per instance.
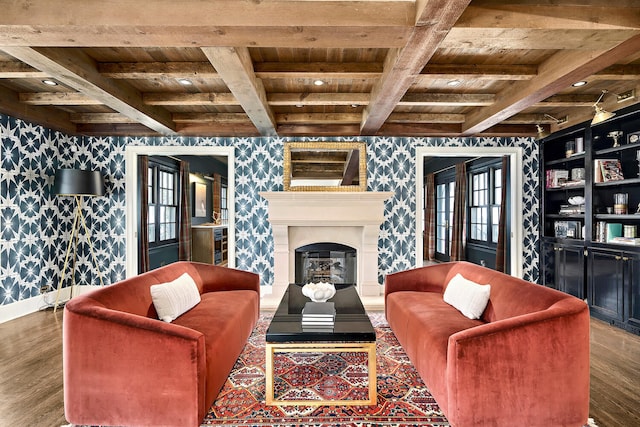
x,y
40,302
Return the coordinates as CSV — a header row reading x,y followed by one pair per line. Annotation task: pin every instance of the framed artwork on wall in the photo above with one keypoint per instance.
x,y
199,200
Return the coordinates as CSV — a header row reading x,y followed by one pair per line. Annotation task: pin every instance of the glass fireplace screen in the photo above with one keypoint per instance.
x,y
326,262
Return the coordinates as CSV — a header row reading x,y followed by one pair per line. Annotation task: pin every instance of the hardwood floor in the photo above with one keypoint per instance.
x,y
31,373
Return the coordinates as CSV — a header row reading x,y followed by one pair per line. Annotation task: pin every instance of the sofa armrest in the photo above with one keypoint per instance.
x,y
216,278
425,279
113,359
527,365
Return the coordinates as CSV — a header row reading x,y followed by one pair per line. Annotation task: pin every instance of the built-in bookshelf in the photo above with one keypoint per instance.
x,y
590,215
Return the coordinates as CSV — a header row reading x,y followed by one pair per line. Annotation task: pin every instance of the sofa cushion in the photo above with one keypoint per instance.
x,y
469,297
175,298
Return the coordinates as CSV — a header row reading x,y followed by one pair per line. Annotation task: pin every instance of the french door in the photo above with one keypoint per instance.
x,y
445,192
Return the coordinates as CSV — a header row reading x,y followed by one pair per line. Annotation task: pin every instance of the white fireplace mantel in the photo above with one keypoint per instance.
x,y
353,218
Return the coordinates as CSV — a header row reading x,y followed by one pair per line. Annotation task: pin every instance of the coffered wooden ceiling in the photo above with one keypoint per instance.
x,y
387,66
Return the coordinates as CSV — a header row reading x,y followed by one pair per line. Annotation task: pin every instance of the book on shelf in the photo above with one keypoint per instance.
x,y
626,240
605,170
571,209
613,230
568,229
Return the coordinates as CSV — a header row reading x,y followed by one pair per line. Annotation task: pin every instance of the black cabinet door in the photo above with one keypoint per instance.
x,y
548,265
571,267
632,284
606,283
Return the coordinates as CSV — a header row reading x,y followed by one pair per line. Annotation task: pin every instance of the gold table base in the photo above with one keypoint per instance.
x,y
323,347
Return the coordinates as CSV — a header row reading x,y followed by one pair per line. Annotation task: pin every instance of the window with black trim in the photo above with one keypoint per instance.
x,y
485,195
163,204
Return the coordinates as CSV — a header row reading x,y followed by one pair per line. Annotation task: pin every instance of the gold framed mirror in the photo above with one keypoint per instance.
x,y
325,166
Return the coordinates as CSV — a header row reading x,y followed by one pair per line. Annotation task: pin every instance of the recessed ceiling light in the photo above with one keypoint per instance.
x,y
355,105
185,82
50,82
454,83
318,82
580,83
299,105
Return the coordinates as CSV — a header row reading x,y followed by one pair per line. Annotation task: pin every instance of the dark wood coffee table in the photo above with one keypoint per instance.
x,y
352,332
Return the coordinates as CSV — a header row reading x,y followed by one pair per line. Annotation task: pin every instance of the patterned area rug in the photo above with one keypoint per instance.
x,y
403,399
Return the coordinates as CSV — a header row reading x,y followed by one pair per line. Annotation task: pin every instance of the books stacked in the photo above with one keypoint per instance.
x,y
318,317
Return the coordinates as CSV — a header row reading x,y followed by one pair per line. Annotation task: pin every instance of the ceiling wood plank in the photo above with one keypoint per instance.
x,y
555,74
76,70
401,67
236,69
218,129
57,98
619,72
572,100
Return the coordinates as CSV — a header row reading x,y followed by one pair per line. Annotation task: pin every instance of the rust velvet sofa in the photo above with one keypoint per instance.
x,y
524,362
123,366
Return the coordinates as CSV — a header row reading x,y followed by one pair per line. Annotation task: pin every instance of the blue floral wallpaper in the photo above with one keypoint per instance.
x,y
35,224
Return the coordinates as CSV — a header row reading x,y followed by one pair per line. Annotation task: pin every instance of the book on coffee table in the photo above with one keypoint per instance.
x,y
318,314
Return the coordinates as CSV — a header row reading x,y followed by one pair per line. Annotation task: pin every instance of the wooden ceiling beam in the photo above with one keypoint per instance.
x,y
208,98
345,98
318,118
619,72
57,98
148,70
212,13
210,118
483,72
96,118
19,70
324,70
447,99
319,130
555,74
217,129
78,71
571,15
570,100
519,38
44,116
236,69
434,20
425,118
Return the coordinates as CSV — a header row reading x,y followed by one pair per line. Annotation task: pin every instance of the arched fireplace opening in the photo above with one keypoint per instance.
x,y
326,262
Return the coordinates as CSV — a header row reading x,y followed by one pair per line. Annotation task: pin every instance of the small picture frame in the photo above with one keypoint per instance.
x,y
633,137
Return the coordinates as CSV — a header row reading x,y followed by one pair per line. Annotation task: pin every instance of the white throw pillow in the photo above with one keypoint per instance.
x,y
469,297
174,298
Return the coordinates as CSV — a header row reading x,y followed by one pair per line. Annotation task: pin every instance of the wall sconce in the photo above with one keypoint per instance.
x,y
542,132
601,114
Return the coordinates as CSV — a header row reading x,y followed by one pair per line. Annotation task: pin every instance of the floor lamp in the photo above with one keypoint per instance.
x,y
77,183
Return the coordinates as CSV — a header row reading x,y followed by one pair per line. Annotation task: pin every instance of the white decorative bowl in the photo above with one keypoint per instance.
x,y
319,292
